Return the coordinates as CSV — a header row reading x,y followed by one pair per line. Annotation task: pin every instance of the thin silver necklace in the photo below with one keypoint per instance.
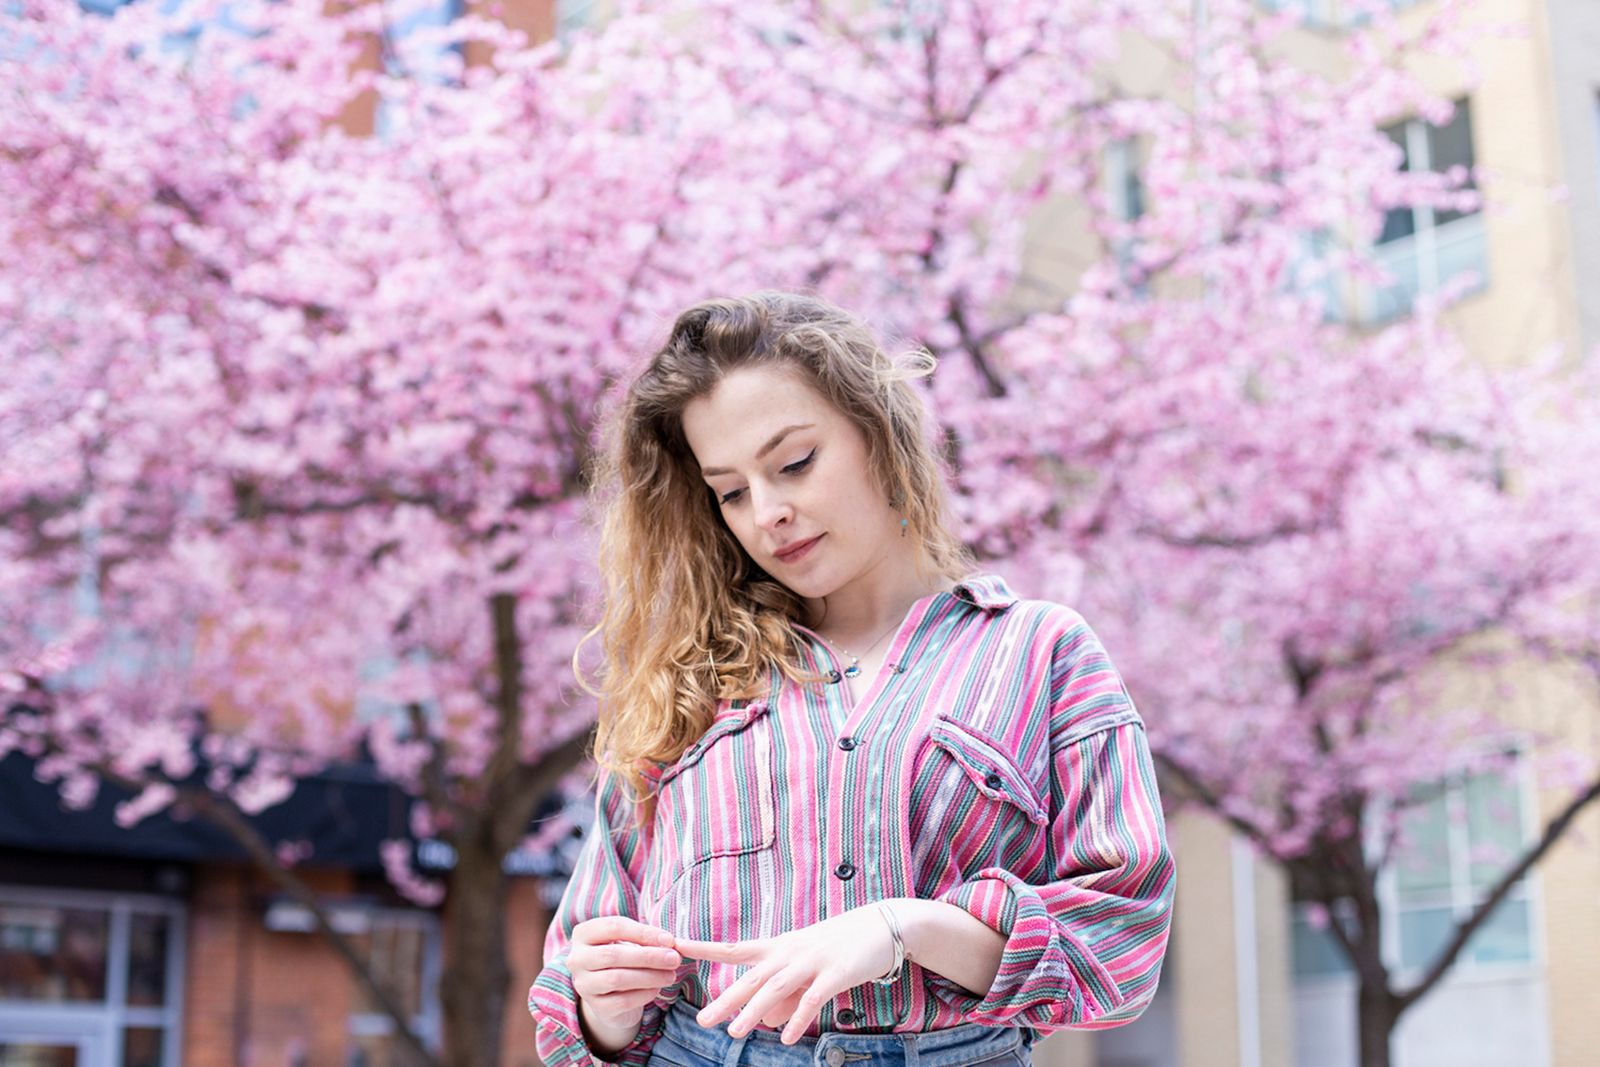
x,y
854,670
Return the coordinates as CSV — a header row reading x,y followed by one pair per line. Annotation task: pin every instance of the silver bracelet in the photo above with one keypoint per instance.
x,y
893,973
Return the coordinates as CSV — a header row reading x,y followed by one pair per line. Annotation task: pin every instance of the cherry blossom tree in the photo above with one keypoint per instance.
x,y
297,423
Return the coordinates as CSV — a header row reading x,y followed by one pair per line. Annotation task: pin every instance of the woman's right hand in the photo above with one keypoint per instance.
x,y
618,966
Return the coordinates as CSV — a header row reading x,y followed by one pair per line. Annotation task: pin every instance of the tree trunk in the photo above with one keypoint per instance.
x,y
473,986
1377,1012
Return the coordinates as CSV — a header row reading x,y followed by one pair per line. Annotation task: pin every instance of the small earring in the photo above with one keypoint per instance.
x,y
903,522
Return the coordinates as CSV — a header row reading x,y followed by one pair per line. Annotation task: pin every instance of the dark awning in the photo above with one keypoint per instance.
x,y
344,812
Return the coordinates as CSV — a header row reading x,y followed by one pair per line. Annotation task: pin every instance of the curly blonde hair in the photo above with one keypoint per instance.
x,y
688,618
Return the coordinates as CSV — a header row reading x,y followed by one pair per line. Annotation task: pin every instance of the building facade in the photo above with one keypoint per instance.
x,y
1251,981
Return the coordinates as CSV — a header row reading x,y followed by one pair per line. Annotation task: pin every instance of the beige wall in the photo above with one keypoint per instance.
x,y
1536,126
1569,877
1204,935
1530,301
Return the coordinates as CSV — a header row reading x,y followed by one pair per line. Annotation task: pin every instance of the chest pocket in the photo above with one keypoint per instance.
x,y
981,810
989,768
718,799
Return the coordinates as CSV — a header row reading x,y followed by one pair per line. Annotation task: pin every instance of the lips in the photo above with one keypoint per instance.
x,y
787,554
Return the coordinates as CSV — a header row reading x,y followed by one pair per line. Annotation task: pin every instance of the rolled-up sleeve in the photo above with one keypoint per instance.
x,y
605,881
1086,933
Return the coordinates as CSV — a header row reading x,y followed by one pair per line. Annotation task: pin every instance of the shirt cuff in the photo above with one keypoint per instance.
x,y
558,1033
1047,977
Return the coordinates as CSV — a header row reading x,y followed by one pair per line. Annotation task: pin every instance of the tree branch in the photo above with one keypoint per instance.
x,y
1480,914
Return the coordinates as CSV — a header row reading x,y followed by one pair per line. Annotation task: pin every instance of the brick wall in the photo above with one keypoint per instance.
x,y
526,922
253,997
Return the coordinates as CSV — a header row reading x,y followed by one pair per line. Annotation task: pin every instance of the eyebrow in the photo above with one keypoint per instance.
x,y
772,442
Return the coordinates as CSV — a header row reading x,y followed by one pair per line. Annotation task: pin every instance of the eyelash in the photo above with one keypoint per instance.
x,y
797,467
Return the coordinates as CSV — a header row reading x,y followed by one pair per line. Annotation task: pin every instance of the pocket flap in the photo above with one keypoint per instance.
x,y
988,765
731,721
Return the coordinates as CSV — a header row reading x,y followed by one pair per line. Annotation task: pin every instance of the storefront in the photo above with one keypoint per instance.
x,y
159,946
89,978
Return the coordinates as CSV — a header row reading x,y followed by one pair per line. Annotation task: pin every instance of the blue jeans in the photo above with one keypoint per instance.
x,y
685,1043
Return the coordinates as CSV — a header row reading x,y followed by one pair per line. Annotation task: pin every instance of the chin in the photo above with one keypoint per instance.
x,y
808,589
810,586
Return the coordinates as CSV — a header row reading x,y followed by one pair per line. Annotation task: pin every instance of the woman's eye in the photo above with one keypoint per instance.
x,y
800,464
794,468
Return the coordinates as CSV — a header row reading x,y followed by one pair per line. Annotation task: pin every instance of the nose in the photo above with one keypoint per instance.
x,y
770,507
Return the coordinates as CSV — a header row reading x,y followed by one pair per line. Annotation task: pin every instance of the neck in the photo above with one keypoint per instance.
x,y
878,599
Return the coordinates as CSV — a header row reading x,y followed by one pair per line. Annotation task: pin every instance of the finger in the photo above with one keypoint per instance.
x,y
771,993
617,980
808,1009
733,998
620,928
623,1000
624,954
719,951
775,1017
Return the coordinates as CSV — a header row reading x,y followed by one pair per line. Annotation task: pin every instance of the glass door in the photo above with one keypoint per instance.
x,y
21,1048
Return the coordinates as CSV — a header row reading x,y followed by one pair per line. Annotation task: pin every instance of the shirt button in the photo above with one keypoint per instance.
x,y
847,743
845,871
994,781
833,677
847,1017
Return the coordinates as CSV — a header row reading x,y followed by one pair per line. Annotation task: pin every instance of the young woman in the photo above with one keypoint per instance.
x,y
855,798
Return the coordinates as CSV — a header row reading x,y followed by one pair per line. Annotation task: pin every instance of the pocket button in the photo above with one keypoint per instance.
x,y
994,781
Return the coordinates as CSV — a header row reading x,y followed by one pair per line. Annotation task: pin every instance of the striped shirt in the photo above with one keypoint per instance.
x,y
996,763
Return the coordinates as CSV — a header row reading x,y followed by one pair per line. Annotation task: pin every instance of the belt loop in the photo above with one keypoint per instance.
x,y
909,1042
735,1048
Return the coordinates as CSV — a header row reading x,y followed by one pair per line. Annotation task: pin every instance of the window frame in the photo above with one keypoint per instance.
x,y
1465,970
1377,305
428,1022
105,1021
1123,182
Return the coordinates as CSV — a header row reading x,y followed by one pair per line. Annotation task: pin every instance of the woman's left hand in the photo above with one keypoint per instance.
x,y
792,975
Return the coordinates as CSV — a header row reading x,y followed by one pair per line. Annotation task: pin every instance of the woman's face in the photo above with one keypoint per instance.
x,y
787,468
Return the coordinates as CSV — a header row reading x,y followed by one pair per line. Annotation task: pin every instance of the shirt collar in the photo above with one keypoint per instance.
x,y
987,591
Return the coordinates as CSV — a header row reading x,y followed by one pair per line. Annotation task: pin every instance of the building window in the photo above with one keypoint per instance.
x,y
1310,12
411,54
1459,837
1124,193
79,968
1462,836
1355,17
1313,271
1314,951
1422,247
574,15
402,949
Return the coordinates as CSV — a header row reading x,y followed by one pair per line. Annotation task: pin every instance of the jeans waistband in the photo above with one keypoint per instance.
x,y
953,1046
